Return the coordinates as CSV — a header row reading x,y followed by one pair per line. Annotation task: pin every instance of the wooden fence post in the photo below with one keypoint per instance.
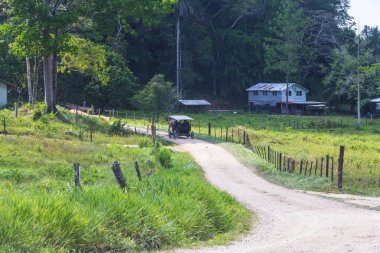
x,y
4,127
301,166
244,138
137,170
332,169
316,166
91,135
307,164
119,175
268,153
327,165
340,167
76,115
232,135
209,129
77,175
280,162
311,168
226,134
322,159
16,109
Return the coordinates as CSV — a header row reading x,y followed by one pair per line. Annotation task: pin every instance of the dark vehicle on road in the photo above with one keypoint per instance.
x,y
179,125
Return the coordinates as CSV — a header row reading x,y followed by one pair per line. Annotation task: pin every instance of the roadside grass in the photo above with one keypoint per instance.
x,y
269,172
42,211
361,173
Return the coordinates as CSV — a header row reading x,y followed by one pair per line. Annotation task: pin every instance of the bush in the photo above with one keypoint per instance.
x,y
144,143
164,156
117,127
39,111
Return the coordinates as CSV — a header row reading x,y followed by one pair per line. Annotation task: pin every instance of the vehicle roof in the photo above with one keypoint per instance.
x,y
180,117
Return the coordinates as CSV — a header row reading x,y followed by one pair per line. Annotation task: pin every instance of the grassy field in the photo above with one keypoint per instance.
x,y
303,138
42,211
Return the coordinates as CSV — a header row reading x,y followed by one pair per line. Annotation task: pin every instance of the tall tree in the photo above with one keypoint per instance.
x,y
283,46
46,25
184,7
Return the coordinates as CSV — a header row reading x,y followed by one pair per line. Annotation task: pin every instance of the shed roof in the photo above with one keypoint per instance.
x,y
376,100
194,102
273,87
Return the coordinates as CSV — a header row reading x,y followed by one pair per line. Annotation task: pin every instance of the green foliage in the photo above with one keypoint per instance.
x,y
38,111
171,208
87,57
145,142
164,156
283,46
117,127
157,96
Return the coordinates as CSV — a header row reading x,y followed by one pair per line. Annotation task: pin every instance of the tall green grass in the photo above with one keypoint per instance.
x,y
42,211
361,174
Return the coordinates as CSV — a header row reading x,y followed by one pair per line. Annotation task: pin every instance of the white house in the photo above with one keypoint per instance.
x,y
4,92
272,96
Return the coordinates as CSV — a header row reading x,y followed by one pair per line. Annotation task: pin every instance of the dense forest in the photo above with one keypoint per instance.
x,y
105,52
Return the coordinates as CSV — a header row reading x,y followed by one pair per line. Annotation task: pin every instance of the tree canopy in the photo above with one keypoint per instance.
x,y
105,52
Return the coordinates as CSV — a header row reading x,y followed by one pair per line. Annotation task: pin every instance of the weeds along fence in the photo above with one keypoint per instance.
x,y
325,166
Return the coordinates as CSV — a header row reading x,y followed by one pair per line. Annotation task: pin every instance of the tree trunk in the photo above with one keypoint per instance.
x,y
48,83
55,77
215,88
29,81
178,56
36,73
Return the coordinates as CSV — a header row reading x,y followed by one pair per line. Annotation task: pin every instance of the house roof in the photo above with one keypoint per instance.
x,y
194,102
273,87
376,100
8,84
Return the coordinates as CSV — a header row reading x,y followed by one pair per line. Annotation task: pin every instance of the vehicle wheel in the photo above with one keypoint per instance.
x,y
192,135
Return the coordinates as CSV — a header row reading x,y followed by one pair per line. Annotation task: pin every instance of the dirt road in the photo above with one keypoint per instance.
x,y
288,221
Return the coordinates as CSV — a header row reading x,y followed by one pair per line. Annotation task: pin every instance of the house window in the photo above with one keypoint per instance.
x,y
299,93
290,93
265,93
255,93
274,93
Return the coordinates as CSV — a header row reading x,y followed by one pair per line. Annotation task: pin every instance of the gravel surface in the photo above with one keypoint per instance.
x,y
288,220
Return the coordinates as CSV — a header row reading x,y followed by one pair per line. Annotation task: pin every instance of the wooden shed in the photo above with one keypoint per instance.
x,y
4,85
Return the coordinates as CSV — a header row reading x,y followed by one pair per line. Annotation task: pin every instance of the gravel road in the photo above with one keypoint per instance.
x,y
288,220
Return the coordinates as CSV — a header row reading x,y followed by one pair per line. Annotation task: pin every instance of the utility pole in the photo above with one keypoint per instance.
x,y
358,81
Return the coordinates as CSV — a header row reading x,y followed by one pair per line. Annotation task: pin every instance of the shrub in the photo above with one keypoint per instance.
x,y
164,156
144,143
39,111
117,127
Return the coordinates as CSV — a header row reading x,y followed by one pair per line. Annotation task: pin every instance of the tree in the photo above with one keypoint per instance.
x,y
284,45
45,26
342,81
183,8
157,96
